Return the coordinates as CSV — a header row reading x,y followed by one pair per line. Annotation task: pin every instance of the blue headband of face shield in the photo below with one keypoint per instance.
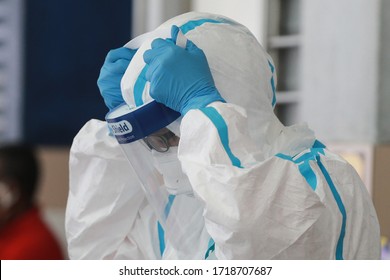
x,y
131,124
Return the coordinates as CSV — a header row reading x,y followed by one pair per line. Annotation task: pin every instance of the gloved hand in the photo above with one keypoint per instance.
x,y
180,78
111,73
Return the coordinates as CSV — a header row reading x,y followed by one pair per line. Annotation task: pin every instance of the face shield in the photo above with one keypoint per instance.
x,y
131,128
151,151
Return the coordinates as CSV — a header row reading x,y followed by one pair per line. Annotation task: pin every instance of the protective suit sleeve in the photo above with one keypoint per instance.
x,y
107,216
243,193
309,204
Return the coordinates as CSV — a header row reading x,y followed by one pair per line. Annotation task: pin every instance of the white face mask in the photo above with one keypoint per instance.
x,y
169,166
7,198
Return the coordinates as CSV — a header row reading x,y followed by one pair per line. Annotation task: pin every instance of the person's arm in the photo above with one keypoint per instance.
x,y
107,216
245,198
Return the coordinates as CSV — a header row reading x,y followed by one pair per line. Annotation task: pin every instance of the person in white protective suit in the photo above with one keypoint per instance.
x,y
224,180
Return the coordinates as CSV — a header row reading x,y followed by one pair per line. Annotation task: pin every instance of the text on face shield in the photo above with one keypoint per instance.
x,y
121,128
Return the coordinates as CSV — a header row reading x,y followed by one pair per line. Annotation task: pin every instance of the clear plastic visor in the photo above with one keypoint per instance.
x,y
137,151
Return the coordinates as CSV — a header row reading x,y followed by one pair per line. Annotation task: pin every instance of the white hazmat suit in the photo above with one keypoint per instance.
x,y
258,189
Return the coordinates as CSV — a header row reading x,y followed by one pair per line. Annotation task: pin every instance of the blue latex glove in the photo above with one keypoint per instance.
x,y
180,78
109,81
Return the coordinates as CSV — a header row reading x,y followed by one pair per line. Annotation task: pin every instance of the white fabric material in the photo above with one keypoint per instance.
x,y
264,209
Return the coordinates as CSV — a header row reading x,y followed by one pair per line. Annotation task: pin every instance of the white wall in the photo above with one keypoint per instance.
x,y
247,12
149,14
340,69
384,75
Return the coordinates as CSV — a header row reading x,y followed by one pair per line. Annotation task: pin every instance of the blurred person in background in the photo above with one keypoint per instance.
x,y
23,233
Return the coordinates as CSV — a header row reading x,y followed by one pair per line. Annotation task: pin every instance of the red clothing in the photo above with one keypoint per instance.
x,y
28,238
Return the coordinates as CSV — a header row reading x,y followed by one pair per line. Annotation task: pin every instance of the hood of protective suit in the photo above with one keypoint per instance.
x,y
242,70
